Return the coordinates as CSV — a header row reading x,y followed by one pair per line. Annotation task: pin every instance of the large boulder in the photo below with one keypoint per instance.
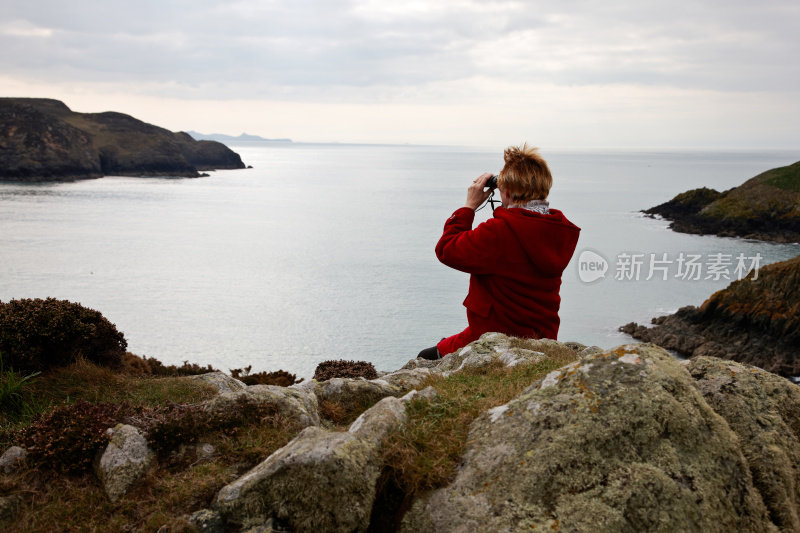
x,y
297,404
407,379
374,424
223,382
620,441
763,409
354,394
124,461
320,481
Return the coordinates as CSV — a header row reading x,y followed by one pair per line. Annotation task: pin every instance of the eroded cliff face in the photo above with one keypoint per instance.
x,y
753,320
765,207
43,140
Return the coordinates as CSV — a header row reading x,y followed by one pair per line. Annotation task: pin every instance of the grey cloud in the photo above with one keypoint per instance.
x,y
267,48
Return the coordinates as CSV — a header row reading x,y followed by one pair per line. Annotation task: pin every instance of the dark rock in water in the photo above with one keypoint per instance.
x,y
766,207
43,140
754,321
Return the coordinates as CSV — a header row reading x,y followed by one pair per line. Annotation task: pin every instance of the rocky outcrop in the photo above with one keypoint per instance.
x,y
43,140
296,404
320,481
764,411
125,460
222,381
766,207
754,321
620,441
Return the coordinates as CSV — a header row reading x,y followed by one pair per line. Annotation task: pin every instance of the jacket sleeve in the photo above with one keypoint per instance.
x,y
470,250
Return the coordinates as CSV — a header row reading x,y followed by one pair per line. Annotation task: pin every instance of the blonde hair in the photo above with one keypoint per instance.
x,y
525,176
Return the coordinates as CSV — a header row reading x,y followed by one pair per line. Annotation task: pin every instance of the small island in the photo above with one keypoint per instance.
x,y
765,207
43,140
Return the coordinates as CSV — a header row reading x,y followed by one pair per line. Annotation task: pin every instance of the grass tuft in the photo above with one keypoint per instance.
x,y
425,454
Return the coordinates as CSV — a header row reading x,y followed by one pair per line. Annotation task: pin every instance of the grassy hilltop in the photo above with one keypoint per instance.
x,y
765,207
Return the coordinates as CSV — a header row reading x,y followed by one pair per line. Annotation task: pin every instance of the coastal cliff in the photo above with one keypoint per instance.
x,y
755,320
43,140
765,207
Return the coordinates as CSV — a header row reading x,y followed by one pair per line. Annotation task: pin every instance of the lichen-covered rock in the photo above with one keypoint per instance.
x,y
223,382
355,393
298,404
320,481
428,393
418,362
494,348
407,379
621,441
12,459
763,409
126,459
379,420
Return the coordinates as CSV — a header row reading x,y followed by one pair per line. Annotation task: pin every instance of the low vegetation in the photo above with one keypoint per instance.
x,y
60,417
344,369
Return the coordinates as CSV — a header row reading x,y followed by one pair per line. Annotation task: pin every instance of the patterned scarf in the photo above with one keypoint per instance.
x,y
537,206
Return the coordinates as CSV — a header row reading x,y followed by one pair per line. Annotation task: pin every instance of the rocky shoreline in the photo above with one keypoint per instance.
x,y
755,320
765,207
43,140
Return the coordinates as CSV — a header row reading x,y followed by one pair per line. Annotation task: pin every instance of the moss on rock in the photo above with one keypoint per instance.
x,y
764,411
620,441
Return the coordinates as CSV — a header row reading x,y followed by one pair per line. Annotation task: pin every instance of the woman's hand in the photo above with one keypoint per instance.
x,y
475,193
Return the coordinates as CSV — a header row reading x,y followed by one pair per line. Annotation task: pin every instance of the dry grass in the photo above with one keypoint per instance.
x,y
164,497
85,381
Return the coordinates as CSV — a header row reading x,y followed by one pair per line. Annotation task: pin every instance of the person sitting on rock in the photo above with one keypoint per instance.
x,y
515,259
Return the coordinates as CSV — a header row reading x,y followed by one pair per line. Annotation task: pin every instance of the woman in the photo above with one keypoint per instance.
x,y
515,259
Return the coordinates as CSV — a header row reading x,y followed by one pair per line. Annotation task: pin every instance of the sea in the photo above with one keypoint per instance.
x,y
326,251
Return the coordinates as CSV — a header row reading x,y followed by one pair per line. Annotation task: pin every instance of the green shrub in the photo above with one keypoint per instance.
x,y
36,335
150,366
281,378
68,438
11,385
344,369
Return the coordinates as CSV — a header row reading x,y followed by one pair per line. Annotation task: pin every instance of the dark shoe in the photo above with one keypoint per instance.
x,y
431,354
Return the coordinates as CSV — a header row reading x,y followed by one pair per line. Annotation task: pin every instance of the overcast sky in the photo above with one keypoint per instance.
x,y
564,74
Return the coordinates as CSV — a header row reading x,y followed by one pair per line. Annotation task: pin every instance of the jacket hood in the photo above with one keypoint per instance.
x,y
551,238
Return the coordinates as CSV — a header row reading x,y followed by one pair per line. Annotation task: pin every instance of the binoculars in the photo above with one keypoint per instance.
x,y
492,182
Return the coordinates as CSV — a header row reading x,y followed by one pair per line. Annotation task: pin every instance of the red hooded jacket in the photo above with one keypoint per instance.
x,y
515,260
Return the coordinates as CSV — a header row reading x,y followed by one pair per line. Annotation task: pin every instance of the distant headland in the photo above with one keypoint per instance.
x,y
244,137
43,140
765,207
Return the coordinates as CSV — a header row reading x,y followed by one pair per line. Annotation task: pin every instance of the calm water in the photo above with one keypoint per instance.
x,y
326,251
